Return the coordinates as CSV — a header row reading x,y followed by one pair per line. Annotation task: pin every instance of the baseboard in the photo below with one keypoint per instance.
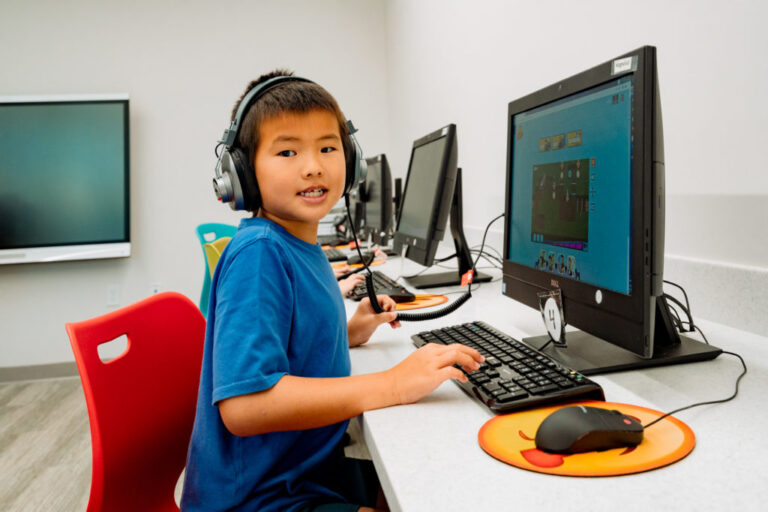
x,y
36,372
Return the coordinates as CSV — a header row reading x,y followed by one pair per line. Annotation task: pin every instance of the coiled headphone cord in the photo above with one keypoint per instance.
x,y
413,317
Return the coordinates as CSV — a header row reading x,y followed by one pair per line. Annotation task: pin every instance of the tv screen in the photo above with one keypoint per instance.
x,y
65,172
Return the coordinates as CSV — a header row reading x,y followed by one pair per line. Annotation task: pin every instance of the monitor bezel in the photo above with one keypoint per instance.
x,y
625,320
422,250
379,233
81,249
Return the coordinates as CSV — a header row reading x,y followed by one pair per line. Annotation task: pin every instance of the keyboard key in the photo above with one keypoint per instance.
x,y
543,389
508,397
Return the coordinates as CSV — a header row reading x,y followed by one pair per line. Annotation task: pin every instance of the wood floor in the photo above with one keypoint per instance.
x,y
45,446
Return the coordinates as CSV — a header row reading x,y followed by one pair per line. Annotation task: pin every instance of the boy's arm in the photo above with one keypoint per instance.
x,y
300,403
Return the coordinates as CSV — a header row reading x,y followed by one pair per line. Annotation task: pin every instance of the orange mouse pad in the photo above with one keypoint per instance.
x,y
510,438
358,265
422,301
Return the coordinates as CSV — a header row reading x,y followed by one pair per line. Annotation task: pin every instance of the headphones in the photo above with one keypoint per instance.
x,y
235,179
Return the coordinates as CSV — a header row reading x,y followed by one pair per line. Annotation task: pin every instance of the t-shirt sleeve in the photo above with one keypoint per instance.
x,y
253,295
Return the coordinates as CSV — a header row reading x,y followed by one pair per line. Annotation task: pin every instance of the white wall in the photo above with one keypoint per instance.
x,y
184,63
462,62
399,68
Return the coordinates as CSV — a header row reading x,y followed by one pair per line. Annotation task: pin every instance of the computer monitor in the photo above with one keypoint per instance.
x,y
64,171
432,191
378,200
585,215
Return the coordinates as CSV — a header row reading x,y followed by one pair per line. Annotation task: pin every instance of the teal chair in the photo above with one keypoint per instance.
x,y
208,233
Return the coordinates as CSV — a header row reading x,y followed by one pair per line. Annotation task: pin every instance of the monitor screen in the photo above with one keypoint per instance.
x,y
64,170
378,197
585,215
421,189
571,170
429,188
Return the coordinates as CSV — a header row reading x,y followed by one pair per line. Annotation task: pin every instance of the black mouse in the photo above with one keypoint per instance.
x,y
396,294
578,429
354,259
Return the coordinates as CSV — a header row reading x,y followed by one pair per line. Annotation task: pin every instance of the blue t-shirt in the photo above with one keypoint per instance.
x,y
275,309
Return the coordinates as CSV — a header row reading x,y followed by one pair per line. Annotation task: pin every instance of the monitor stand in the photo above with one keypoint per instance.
x,y
462,250
591,355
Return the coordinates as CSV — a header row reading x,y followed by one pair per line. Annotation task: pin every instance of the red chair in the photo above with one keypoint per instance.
x,y
141,404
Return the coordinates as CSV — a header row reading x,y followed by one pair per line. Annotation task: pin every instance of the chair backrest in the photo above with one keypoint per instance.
x,y
141,404
213,252
208,233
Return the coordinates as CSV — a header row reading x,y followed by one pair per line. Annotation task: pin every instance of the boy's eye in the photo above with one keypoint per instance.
x,y
287,152
328,149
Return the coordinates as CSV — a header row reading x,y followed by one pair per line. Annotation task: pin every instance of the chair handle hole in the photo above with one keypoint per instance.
x,y
210,236
112,349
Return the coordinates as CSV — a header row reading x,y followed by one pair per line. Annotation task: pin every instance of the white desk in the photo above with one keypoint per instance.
x,y
428,457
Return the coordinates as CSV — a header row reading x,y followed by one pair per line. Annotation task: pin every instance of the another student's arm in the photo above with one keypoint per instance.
x,y
299,403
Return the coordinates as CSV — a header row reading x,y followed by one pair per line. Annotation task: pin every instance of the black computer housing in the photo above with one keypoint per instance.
x,y
638,323
445,181
422,250
378,200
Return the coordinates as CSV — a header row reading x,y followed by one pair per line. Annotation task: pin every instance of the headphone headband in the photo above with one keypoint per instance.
x,y
235,179
230,134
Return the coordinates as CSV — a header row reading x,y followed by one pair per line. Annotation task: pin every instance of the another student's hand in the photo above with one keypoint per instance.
x,y
348,284
340,271
365,320
423,371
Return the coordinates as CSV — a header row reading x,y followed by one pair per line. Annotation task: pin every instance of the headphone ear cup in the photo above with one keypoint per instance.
x,y
357,167
250,195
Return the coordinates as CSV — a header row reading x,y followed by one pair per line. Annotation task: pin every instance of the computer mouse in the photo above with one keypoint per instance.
x,y
578,429
354,259
396,294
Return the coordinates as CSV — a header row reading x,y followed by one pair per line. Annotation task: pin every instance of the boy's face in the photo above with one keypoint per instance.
x,y
301,169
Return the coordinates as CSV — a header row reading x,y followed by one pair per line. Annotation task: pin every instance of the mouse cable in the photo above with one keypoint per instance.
x,y
685,310
735,392
687,304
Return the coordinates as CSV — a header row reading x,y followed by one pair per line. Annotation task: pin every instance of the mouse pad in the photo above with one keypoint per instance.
x,y
510,438
424,300
340,264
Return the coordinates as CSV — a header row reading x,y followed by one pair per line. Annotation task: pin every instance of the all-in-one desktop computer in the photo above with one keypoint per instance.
x,y
432,191
584,216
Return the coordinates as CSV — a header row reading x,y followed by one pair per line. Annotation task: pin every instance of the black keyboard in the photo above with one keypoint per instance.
x,y
331,240
513,375
335,255
383,284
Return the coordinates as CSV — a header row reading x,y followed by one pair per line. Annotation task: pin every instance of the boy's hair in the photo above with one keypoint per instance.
x,y
288,97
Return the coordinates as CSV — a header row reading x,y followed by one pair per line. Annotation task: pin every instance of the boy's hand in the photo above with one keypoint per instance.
x,y
365,320
423,371
348,284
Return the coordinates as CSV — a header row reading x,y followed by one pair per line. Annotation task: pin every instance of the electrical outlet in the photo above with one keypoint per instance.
x,y
113,295
154,288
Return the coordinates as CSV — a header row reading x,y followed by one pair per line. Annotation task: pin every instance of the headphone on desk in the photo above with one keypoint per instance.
x,y
235,178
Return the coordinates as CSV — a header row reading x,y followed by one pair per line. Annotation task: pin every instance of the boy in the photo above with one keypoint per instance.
x,y
275,392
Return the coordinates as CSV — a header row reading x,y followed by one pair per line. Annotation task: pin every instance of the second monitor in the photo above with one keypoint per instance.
x,y
432,191
378,196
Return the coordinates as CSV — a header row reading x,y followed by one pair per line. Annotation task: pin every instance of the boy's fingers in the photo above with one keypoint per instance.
x,y
449,372
459,357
